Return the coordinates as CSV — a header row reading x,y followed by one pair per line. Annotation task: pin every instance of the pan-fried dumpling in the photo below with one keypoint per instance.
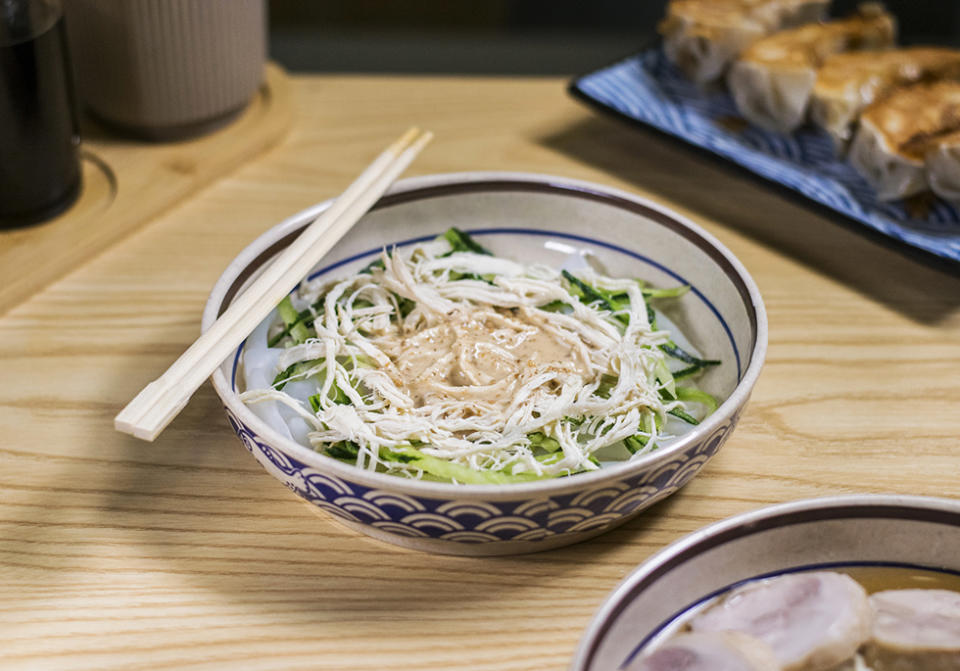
x,y
848,82
702,37
774,77
896,136
943,167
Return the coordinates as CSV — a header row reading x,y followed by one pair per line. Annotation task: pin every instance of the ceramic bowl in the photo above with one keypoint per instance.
x,y
910,532
528,218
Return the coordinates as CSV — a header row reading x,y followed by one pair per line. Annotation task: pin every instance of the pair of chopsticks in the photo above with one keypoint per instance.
x,y
163,399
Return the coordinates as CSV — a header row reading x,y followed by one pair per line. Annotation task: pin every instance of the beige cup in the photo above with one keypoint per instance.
x,y
167,69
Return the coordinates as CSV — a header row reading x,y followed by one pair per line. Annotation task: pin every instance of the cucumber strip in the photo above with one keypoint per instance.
x,y
280,381
556,306
294,325
287,312
689,419
697,396
541,440
345,450
607,383
338,397
288,330
649,424
587,292
677,352
301,327
451,471
687,372
635,443
404,305
359,361
591,294
675,292
377,264
320,305
665,378
300,332
489,279
461,242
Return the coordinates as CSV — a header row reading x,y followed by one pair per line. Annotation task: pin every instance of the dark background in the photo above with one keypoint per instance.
x,y
532,37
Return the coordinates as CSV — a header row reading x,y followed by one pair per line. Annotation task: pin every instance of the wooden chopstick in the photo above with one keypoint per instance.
x,y
160,401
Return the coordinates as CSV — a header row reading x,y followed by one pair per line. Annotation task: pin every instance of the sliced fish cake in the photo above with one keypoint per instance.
x,y
848,82
709,651
773,79
896,136
812,621
915,630
702,37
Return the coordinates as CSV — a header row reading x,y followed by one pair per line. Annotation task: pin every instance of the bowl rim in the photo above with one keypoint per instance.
x,y
415,188
801,511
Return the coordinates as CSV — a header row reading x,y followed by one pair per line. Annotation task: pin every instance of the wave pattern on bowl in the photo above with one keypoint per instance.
x,y
484,521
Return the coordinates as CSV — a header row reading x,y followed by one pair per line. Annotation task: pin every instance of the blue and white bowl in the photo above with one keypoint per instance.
x,y
530,218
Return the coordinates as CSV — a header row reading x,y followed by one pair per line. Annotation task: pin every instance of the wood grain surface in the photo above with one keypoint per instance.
x,y
128,182
184,554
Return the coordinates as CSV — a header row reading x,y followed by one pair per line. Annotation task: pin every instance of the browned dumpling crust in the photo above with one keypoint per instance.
x,y
702,37
773,79
849,82
897,135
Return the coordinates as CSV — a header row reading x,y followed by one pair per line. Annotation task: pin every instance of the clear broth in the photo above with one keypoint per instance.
x,y
879,578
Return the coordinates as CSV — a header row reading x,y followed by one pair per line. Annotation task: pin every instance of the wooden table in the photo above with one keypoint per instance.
x,y
184,554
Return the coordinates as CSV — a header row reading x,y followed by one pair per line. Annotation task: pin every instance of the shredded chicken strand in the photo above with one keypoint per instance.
x,y
454,353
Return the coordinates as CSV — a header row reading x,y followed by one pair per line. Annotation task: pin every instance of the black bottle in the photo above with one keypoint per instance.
x,y
39,130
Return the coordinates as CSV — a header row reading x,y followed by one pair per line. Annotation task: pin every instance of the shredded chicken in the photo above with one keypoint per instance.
x,y
454,353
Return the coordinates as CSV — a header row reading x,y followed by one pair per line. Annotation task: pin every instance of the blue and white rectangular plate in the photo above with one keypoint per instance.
x,y
647,89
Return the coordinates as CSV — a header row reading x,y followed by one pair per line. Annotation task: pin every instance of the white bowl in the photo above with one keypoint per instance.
x,y
902,531
529,218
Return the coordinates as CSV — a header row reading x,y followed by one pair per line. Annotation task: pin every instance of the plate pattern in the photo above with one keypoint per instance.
x,y
648,89
478,521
